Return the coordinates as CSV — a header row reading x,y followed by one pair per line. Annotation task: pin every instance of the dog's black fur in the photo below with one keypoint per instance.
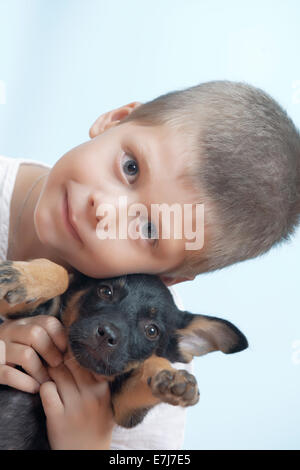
x,y
119,322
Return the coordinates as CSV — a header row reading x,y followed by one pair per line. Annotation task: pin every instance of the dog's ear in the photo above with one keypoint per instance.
x,y
203,334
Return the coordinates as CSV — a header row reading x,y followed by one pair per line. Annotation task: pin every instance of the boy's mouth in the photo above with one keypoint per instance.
x,y
67,216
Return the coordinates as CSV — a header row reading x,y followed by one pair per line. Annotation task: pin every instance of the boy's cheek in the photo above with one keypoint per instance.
x,y
48,220
42,224
105,259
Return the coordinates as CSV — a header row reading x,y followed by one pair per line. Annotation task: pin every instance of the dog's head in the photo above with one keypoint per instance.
x,y
115,324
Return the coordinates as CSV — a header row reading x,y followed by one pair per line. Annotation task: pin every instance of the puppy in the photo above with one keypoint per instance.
x,y
126,328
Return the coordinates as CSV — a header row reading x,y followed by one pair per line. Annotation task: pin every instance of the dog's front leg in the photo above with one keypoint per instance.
x,y
154,382
26,284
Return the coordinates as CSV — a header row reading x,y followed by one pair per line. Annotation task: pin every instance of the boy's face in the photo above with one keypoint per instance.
x,y
101,171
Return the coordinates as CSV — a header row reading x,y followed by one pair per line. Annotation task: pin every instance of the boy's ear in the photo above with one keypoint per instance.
x,y
111,118
170,281
203,334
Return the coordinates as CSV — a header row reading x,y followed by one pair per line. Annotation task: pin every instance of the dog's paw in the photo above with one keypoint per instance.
x,y
13,286
175,387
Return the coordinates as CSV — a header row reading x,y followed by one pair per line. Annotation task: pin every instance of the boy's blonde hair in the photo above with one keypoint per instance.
x,y
245,161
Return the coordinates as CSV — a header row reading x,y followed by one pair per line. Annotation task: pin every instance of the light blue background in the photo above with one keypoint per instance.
x,y
66,62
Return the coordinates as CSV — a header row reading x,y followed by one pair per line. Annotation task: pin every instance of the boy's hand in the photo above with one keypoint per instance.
x,y
21,343
77,407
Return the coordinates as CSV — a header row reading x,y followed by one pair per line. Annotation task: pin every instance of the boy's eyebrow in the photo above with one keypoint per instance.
x,y
140,152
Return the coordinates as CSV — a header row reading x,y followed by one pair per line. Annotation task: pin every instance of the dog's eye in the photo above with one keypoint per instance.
x,y
105,292
151,331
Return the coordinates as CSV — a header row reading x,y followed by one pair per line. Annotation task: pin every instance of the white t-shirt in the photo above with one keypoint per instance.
x,y
163,426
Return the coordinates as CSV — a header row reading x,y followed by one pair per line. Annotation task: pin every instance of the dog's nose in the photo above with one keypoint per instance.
x,y
108,336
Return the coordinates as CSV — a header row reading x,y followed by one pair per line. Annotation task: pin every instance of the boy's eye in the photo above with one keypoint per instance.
x,y
130,167
148,230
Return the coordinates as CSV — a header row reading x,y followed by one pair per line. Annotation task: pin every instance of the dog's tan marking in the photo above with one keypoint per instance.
x,y
70,313
205,334
152,312
122,281
42,278
136,393
39,279
132,365
198,327
6,309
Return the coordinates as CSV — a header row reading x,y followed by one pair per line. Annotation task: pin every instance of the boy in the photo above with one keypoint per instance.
x,y
227,145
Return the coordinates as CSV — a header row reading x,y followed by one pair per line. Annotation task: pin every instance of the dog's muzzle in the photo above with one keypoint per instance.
x,y
108,337
101,347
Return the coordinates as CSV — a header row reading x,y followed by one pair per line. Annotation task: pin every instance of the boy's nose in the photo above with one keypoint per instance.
x,y
108,336
99,206
115,215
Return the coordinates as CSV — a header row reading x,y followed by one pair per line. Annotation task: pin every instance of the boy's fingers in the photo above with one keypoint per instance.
x,y
38,338
65,384
88,383
51,401
28,359
17,379
52,325
102,391
56,330
83,378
